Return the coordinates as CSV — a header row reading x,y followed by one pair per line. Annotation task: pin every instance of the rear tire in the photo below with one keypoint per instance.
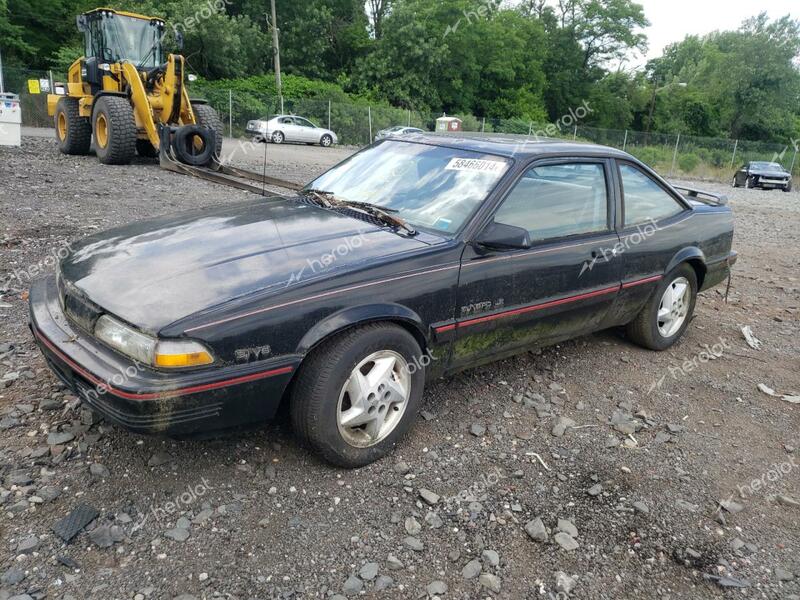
x,y
73,132
649,329
320,396
206,116
114,129
278,137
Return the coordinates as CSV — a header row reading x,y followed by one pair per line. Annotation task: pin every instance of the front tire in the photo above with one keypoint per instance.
x,y
668,312
114,128
358,394
73,132
326,141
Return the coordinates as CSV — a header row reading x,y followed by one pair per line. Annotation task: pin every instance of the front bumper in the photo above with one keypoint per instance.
x,y
146,400
769,183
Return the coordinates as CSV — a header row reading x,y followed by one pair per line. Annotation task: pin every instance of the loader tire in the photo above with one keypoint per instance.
x,y
205,116
145,149
114,128
73,132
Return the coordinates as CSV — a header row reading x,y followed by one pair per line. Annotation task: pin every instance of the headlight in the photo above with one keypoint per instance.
x,y
149,350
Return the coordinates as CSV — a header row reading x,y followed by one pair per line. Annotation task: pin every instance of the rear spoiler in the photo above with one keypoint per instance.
x,y
702,196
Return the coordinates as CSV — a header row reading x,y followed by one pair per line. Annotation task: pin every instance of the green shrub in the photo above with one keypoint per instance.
x,y
688,162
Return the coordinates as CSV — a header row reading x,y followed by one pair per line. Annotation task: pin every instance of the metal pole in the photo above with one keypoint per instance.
x,y
2,88
733,158
50,81
276,49
625,141
329,114
369,115
575,134
409,117
230,113
530,128
675,155
483,124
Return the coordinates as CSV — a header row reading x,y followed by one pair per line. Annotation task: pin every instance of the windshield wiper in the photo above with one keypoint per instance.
x,y
321,197
329,199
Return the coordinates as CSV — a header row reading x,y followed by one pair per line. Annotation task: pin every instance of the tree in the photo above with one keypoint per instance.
x,y
377,10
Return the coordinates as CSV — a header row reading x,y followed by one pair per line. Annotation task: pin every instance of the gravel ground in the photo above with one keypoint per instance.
x,y
593,469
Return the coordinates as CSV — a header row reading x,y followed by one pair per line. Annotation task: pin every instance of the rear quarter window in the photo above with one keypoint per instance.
x,y
644,199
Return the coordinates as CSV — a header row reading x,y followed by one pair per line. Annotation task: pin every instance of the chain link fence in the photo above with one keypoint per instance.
x,y
356,124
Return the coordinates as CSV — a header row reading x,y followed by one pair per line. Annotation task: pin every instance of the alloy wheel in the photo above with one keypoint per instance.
x,y
674,307
373,399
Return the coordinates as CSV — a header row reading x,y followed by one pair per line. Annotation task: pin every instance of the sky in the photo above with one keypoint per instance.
x,y
672,20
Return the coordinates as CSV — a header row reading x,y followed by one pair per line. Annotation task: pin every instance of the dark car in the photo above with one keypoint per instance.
x,y
410,260
764,175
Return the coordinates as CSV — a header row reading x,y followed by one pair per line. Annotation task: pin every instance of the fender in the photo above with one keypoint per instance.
x,y
691,254
357,315
99,95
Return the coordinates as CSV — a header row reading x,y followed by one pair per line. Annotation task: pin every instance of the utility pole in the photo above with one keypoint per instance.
x,y
276,49
2,88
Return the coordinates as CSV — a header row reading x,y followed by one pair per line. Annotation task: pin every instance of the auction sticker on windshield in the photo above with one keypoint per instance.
x,y
476,165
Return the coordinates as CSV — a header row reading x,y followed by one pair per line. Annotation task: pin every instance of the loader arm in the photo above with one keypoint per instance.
x,y
141,104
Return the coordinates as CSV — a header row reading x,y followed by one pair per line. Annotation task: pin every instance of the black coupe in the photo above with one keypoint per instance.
x,y
764,175
412,259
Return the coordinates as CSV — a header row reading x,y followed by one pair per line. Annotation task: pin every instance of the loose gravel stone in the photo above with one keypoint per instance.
x,y
491,582
490,558
428,496
536,530
565,541
437,588
472,569
369,571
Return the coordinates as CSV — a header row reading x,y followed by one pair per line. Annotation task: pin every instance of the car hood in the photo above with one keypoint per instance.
x,y
153,273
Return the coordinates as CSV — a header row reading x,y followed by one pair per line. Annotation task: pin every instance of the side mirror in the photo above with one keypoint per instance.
x,y
81,22
499,236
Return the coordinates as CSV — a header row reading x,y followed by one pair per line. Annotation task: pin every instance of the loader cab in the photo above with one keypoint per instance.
x,y
112,37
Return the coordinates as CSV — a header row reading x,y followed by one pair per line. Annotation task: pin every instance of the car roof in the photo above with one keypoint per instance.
x,y
519,147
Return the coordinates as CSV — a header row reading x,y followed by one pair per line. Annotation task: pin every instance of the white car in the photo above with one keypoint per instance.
x,y
290,128
396,132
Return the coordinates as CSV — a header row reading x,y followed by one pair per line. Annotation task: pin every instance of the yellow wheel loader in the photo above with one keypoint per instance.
x,y
131,98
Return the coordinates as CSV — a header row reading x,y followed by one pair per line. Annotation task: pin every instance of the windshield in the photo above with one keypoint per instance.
x,y
134,40
770,166
430,187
